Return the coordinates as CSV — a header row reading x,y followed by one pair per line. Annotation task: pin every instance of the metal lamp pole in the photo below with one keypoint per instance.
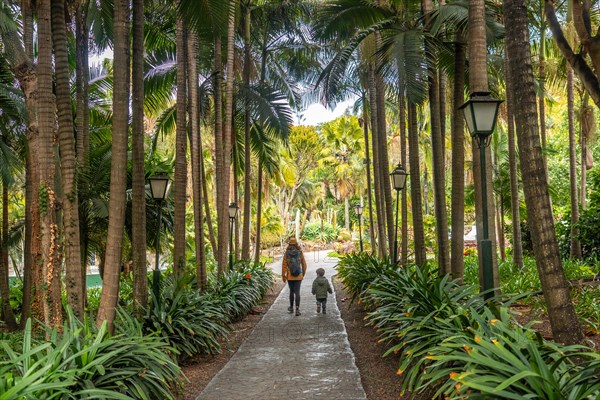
x,y
159,186
358,209
398,176
233,210
480,113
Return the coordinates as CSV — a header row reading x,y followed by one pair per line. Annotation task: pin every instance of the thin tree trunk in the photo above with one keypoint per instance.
x,y
138,184
247,160
458,164
404,197
258,212
478,82
437,148
575,249
381,235
46,192
365,124
224,180
74,279
118,172
206,201
22,66
180,181
388,203
542,83
565,326
7,313
515,205
82,82
197,179
415,186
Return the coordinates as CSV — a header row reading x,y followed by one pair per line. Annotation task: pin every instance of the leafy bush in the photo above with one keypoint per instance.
x,y
495,357
415,310
319,231
84,362
188,321
358,270
192,322
587,307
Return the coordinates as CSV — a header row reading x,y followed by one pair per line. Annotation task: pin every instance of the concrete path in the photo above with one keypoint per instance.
x,y
293,358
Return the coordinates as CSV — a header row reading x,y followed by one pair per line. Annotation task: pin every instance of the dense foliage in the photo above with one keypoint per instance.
x,y
451,342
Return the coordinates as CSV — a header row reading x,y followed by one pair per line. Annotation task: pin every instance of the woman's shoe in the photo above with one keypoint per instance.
x,y
290,309
297,311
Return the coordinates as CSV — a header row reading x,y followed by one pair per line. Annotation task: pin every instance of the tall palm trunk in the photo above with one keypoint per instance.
x,y
197,179
45,191
565,326
82,82
458,164
368,167
415,186
180,182
478,83
138,184
383,150
21,64
7,313
404,196
437,148
224,180
74,279
542,81
375,138
515,205
118,171
587,132
221,255
247,164
206,201
258,212
575,249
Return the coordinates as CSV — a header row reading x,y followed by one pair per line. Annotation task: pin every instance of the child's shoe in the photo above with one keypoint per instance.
x,y
318,308
324,310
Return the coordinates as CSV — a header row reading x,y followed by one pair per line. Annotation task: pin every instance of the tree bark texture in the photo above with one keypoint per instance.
x,y
565,326
74,277
180,181
458,165
118,171
415,186
138,184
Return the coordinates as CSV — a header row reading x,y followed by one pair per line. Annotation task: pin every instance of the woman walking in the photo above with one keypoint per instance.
x,y
293,269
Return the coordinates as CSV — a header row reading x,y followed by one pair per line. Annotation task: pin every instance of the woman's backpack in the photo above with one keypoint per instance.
x,y
293,261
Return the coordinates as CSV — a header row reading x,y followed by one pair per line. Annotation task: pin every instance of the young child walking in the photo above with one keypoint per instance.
x,y
320,288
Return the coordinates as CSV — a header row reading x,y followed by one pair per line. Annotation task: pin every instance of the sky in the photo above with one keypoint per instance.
x,y
316,113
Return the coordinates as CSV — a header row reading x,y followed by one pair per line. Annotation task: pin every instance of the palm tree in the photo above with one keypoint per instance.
x,y
575,250
75,279
247,162
81,80
565,326
138,184
180,181
46,192
118,176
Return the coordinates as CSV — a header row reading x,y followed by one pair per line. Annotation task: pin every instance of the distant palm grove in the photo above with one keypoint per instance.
x,y
97,97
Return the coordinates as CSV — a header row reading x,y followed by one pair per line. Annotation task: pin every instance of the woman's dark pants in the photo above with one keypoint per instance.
x,y
294,292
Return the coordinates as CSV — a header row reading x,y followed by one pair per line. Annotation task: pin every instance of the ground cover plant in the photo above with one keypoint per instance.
x,y
140,361
451,343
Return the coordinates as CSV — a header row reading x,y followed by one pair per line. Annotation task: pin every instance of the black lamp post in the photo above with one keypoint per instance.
x,y
233,210
159,186
398,182
358,209
480,112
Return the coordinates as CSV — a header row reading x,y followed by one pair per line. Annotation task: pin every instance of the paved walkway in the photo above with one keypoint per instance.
x,y
293,358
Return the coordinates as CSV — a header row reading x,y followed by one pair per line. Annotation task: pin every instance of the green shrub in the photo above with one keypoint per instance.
x,y
84,362
358,270
319,232
587,307
188,321
496,358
